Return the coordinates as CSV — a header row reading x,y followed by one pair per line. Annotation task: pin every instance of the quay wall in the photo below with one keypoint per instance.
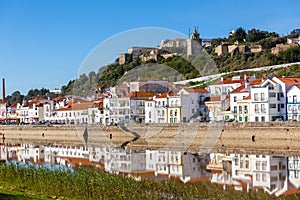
x,y
278,138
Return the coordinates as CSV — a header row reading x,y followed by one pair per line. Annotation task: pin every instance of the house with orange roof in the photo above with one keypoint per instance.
x,y
225,86
75,112
268,101
163,108
30,112
96,112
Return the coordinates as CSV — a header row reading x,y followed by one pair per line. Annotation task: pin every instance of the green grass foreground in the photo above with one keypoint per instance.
x,y
87,183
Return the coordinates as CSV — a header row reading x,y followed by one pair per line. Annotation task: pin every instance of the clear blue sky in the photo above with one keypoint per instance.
x,y
43,43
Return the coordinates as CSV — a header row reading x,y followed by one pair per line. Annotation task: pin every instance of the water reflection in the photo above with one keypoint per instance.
x,y
276,175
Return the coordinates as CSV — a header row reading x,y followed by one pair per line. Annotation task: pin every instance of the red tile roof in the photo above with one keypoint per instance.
x,y
167,94
290,80
196,90
256,81
141,94
247,98
215,98
231,81
239,89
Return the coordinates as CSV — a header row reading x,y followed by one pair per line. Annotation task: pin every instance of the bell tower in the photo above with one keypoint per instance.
x,y
194,44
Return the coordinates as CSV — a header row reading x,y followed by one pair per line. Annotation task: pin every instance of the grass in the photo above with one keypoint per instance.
x,y
38,182
9,192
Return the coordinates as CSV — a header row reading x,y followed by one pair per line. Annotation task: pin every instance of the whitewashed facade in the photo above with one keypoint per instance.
x,y
293,103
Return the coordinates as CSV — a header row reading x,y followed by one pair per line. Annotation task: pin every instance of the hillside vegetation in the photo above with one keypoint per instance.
x,y
182,67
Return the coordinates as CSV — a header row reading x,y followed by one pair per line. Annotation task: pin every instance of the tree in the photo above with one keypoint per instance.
x,y
294,33
255,35
16,97
239,35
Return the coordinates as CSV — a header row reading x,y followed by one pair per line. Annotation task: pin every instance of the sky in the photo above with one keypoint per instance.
x,y
44,43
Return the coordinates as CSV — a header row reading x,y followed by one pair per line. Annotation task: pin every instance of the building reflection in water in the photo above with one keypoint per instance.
x,y
276,175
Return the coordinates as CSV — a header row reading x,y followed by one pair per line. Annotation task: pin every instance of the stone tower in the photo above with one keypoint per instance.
x,y
194,44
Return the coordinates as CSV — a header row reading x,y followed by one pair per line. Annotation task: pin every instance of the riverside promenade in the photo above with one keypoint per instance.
x,y
274,138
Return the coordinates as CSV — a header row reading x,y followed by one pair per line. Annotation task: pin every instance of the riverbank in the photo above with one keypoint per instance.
x,y
89,183
273,138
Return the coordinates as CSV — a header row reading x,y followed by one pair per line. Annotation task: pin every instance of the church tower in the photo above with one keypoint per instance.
x,y
194,44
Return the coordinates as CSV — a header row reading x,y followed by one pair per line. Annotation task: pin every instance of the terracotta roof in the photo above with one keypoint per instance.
x,y
247,98
256,81
141,94
58,98
82,106
231,81
76,106
239,89
290,80
195,90
167,94
36,99
215,98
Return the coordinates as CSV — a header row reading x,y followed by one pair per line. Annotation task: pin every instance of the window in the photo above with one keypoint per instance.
x,y
240,109
262,96
264,177
256,109
263,119
255,96
235,109
193,110
290,108
282,105
175,113
257,165
192,101
272,94
278,107
272,105
263,108
149,114
257,177
294,99
245,109
234,99
264,165
256,119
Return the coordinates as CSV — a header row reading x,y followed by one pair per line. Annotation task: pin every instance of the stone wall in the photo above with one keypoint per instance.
x,y
267,138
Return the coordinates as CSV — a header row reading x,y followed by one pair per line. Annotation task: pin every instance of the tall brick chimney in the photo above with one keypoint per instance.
x,y
3,89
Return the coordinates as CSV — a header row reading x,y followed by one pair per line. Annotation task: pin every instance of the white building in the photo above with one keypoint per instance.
x,y
29,152
294,170
293,103
75,112
225,86
116,110
267,102
117,160
270,173
64,154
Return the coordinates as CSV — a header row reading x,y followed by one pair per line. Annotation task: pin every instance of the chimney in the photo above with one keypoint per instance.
x,y
3,89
